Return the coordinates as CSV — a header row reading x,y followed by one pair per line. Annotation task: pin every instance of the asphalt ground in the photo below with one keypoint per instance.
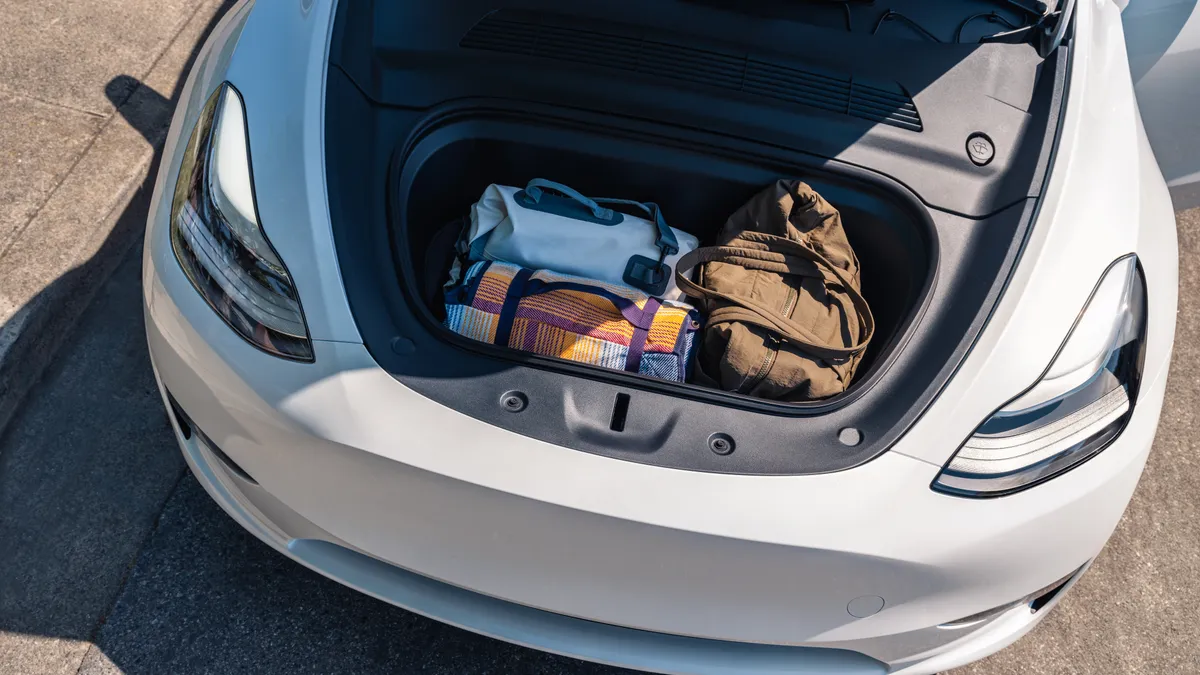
x,y
114,559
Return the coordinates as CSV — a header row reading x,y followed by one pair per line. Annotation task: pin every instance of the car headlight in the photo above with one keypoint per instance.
x,y
217,239
1075,410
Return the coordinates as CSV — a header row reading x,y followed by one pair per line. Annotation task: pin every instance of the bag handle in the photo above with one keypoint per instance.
x,y
762,253
665,240
534,189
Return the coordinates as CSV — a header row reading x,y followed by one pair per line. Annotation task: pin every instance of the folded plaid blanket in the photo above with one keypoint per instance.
x,y
569,317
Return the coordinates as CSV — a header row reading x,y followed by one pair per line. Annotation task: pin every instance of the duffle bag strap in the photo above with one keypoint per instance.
x,y
531,197
772,253
664,238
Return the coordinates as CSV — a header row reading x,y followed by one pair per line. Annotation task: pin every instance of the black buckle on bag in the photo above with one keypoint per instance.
x,y
648,274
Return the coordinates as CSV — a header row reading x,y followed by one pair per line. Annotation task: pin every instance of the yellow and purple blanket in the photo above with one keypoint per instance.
x,y
582,320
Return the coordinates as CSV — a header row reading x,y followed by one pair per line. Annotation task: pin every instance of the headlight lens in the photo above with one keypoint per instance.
x,y
1074,411
217,239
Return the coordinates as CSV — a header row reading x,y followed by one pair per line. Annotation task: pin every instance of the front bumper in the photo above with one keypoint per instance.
x,y
289,533
367,482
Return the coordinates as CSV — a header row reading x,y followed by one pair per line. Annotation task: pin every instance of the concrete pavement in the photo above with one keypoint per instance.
x,y
86,93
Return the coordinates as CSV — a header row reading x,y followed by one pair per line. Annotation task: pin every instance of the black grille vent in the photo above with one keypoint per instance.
x,y
501,32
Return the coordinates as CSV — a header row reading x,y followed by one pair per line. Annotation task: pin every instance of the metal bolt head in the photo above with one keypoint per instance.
x,y
980,149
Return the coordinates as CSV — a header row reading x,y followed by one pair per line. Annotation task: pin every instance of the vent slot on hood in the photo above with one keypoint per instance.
x,y
532,36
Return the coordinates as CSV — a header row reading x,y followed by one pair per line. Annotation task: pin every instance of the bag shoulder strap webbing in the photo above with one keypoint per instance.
x,y
772,253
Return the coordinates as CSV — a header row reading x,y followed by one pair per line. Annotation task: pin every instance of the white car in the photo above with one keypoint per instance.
x,y
1018,248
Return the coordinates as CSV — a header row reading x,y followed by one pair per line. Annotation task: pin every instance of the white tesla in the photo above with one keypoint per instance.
x,y
1018,248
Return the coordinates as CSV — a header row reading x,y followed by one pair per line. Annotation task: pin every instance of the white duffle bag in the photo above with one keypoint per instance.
x,y
549,226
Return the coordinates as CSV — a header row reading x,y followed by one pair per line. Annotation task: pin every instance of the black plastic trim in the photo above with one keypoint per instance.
x,y
981,218
545,36
406,55
1046,598
570,404
189,430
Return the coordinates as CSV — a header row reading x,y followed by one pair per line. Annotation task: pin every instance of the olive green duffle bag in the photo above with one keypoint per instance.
x,y
786,318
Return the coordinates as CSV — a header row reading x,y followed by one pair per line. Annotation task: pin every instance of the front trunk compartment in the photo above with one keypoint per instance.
x,y
398,174
447,165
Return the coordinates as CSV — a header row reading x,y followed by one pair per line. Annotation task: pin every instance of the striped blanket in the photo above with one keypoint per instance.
x,y
602,324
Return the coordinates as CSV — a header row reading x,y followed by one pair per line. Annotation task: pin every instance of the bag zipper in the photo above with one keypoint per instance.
x,y
764,368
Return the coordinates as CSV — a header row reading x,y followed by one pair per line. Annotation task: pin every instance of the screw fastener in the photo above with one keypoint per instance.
x,y
722,444
514,401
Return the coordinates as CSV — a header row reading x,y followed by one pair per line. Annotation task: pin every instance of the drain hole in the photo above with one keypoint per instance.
x,y
620,412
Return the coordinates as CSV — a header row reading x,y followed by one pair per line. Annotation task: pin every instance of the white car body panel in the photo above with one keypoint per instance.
x,y
288,103
1093,226
343,453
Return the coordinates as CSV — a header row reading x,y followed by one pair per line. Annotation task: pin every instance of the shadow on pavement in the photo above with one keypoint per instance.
x,y
83,467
